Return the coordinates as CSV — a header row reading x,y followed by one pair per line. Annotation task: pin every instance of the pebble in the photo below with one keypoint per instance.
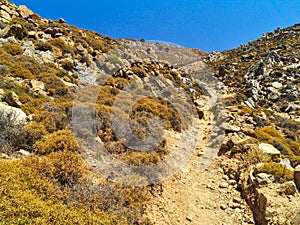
x,y
223,206
237,200
189,218
223,185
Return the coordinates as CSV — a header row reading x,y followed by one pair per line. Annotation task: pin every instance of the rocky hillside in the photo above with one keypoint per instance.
x,y
52,75
263,79
75,107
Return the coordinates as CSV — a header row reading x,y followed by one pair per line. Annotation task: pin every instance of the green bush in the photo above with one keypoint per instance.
x,y
115,60
276,138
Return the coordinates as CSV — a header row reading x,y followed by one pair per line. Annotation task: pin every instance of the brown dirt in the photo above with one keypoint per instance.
x,y
196,198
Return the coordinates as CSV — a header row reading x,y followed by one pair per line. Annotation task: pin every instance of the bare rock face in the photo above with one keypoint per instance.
x,y
4,16
25,12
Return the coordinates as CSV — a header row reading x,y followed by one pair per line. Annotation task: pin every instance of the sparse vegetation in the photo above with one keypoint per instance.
x,y
13,49
281,172
115,60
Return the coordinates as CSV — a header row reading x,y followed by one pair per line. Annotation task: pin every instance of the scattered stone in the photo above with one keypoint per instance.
x,y
4,16
61,20
287,163
189,218
13,99
237,200
277,85
288,188
15,30
223,185
234,205
4,156
264,178
23,152
223,207
232,182
270,150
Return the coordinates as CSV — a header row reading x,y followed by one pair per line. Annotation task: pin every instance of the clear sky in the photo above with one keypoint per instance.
x,y
206,25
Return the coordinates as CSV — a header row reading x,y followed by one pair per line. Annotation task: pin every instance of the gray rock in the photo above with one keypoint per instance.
x,y
12,40
223,185
277,85
24,152
287,163
27,44
13,99
288,188
4,156
269,149
20,116
274,95
264,178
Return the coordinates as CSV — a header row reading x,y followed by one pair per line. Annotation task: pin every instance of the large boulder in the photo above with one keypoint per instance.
x,y
270,150
25,12
13,99
20,116
15,30
4,16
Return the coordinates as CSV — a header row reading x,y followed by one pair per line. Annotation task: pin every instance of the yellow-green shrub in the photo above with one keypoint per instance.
x,y
141,158
67,65
62,140
26,198
64,167
13,49
281,172
33,132
61,44
33,105
139,71
276,138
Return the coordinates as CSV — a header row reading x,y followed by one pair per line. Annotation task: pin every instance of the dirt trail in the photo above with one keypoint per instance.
x,y
199,198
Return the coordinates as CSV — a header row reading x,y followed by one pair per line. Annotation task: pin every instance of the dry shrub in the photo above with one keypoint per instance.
x,y
62,140
27,198
13,49
281,172
254,156
64,167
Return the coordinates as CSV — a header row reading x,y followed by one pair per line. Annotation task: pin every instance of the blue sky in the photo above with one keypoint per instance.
x,y
207,25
